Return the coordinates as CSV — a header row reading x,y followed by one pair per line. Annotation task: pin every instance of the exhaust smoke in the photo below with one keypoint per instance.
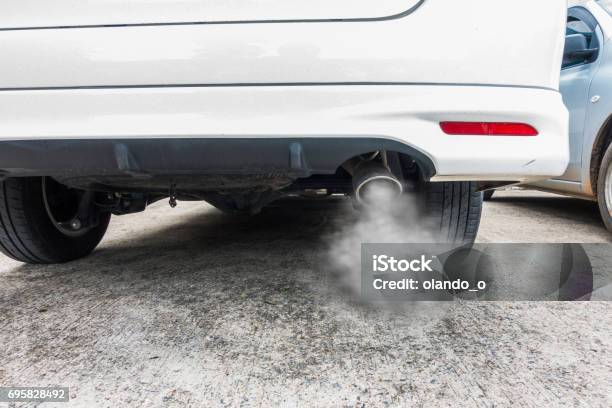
x,y
386,216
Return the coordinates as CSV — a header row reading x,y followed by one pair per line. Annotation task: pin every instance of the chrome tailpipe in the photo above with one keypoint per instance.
x,y
374,182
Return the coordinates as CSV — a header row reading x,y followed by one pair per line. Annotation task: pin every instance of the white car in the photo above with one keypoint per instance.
x,y
107,106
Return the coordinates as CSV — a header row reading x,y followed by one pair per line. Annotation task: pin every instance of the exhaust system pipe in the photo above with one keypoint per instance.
x,y
373,182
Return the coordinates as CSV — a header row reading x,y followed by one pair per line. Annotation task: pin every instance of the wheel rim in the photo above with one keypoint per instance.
x,y
61,205
608,190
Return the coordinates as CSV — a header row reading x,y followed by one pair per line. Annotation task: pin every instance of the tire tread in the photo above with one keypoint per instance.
x,y
456,208
24,238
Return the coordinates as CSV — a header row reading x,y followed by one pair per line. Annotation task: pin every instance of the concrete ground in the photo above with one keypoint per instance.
x,y
190,307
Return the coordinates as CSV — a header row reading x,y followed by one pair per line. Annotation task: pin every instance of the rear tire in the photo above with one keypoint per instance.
x,y
604,189
453,211
28,234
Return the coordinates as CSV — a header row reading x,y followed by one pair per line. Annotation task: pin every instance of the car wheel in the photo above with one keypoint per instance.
x,y
37,222
488,195
453,211
604,188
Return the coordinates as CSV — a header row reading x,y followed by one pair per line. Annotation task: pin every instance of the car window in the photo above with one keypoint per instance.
x,y
580,21
576,26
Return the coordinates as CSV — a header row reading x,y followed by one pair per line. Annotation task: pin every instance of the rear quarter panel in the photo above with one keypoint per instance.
x,y
513,43
42,13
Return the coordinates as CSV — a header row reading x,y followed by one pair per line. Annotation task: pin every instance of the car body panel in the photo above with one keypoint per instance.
x,y
598,114
417,48
602,16
392,78
66,13
575,86
409,114
570,188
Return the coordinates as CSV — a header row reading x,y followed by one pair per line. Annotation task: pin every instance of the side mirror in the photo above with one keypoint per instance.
x,y
577,51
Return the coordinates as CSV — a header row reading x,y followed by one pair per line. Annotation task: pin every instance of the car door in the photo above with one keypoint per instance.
x,y
575,84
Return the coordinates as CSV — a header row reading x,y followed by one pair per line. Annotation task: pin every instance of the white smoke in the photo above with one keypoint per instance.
x,y
392,219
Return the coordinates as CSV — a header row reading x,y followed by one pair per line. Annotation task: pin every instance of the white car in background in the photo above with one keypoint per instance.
x,y
107,106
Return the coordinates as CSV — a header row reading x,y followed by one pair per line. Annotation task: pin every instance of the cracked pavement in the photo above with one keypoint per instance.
x,y
191,307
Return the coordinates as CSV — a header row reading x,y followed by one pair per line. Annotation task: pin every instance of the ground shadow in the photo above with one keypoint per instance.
x,y
264,255
561,206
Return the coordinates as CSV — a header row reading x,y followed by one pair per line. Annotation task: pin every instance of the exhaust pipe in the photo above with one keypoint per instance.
x,y
373,182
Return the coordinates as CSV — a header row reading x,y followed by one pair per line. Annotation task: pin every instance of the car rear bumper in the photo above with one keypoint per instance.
x,y
299,129
294,157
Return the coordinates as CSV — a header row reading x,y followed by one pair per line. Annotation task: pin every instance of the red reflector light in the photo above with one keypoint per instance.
x,y
488,129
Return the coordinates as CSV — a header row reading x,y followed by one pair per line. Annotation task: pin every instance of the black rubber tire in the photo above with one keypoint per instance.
x,y
27,233
604,172
453,211
488,195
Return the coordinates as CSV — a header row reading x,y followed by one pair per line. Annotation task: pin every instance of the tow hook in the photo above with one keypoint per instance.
x,y
172,200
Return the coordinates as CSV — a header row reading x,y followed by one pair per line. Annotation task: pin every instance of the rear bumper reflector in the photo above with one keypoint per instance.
x,y
488,129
